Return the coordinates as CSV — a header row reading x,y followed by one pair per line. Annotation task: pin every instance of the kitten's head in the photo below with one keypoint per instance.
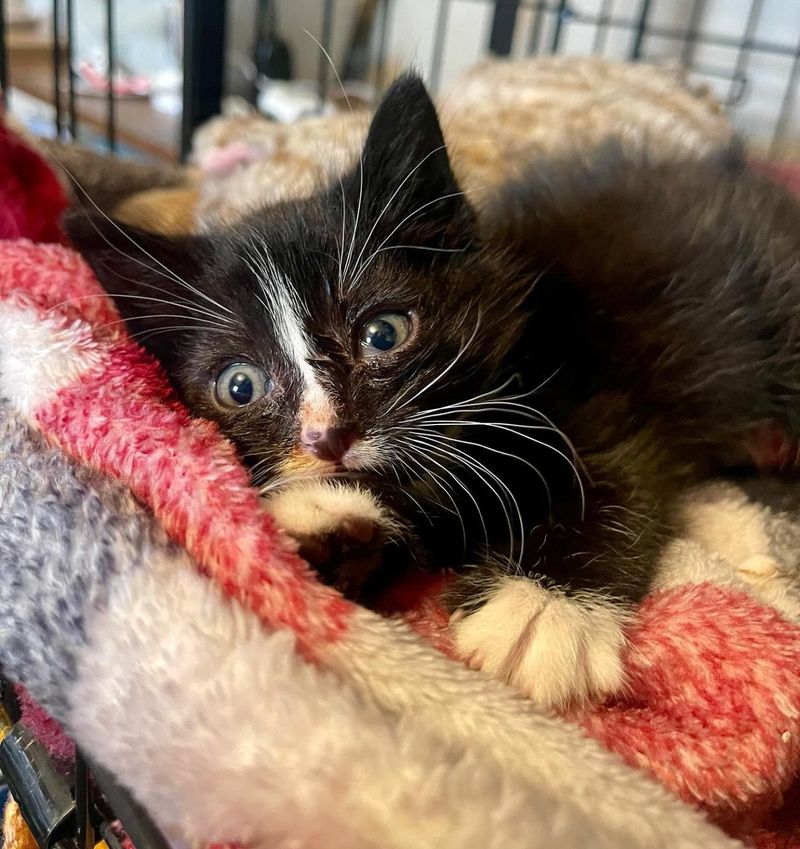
x,y
318,333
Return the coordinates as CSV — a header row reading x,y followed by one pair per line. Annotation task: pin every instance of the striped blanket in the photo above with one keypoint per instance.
x,y
149,604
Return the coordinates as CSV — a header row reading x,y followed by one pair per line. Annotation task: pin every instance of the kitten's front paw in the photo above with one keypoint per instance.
x,y
340,530
558,650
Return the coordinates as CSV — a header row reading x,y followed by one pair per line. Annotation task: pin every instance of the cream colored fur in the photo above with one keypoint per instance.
x,y
735,541
318,508
557,650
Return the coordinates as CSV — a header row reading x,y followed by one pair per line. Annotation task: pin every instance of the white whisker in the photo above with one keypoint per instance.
x,y
344,222
288,480
504,399
333,67
444,488
408,217
167,272
480,470
392,197
141,335
208,324
493,450
420,248
355,223
410,472
441,374
180,303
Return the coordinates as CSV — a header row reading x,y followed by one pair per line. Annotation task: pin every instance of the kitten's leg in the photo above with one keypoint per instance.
x,y
554,628
340,529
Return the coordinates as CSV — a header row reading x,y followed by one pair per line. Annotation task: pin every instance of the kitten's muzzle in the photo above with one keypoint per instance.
x,y
328,443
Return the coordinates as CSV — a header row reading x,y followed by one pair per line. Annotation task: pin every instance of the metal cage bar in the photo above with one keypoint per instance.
x,y
563,15
537,28
641,26
504,22
84,830
379,62
57,62
601,36
324,65
72,113
641,30
550,22
111,105
203,62
3,57
745,49
788,104
746,44
439,40
692,33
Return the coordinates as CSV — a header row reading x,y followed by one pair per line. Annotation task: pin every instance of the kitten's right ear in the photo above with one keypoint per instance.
x,y
404,173
148,275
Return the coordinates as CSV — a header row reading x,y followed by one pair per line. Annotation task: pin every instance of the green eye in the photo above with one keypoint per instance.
x,y
384,332
240,384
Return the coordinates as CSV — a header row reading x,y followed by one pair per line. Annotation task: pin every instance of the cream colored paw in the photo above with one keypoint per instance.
x,y
735,541
558,650
342,531
766,578
723,520
321,508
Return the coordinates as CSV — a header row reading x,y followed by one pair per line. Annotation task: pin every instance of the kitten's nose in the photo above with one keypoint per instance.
x,y
327,443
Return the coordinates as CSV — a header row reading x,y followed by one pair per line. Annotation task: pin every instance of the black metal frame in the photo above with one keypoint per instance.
x,y
59,26
639,26
566,12
203,64
63,811
3,62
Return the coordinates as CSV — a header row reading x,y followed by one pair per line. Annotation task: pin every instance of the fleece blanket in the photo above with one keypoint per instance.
x,y
150,606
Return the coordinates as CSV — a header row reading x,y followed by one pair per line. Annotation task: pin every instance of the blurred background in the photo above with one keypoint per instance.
x,y
174,63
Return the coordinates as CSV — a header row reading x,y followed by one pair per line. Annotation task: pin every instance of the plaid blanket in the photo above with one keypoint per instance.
x,y
149,604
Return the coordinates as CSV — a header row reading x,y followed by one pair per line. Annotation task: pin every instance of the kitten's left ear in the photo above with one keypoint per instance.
x,y
406,170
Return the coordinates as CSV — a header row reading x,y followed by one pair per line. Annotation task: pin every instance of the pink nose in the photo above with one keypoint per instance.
x,y
327,443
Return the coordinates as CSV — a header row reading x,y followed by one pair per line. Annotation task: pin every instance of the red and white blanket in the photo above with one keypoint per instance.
x,y
150,605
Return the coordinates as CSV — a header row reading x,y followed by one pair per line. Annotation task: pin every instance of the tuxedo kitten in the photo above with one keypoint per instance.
x,y
521,395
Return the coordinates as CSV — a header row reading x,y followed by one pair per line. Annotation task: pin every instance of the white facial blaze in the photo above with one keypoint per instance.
x,y
293,338
292,335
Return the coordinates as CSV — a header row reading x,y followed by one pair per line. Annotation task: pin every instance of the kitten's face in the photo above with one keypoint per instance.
x,y
319,333
312,371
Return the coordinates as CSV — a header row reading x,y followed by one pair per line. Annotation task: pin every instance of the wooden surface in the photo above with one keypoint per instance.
x,y
30,69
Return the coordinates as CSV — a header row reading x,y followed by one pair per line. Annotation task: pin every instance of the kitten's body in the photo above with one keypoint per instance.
x,y
646,310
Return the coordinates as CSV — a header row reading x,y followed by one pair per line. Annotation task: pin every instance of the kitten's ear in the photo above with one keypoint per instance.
x,y
143,273
406,171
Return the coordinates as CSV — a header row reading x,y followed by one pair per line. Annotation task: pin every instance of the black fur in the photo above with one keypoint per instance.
x,y
653,308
